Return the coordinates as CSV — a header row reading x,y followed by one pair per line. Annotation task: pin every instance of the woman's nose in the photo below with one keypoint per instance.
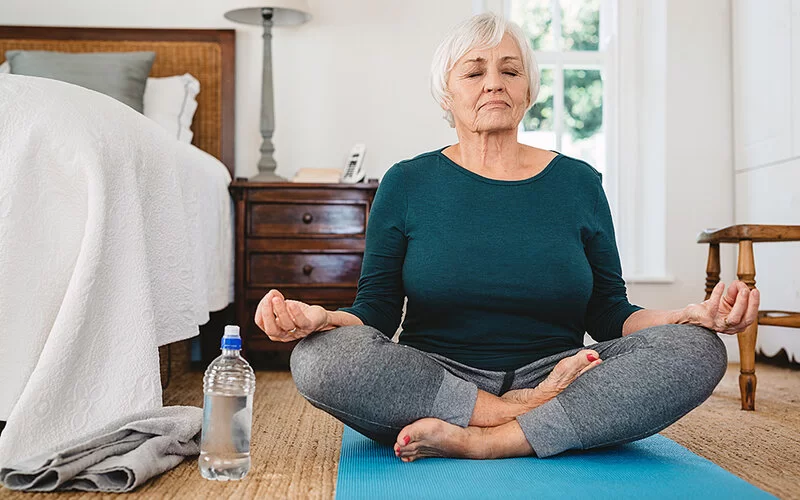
x,y
493,82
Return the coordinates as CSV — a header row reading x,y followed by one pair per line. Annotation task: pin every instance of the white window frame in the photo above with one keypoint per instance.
x,y
634,136
641,55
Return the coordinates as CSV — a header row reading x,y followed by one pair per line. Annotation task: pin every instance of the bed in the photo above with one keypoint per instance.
x,y
209,55
38,346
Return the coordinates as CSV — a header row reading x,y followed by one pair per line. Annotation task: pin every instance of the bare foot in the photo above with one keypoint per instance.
x,y
431,437
564,373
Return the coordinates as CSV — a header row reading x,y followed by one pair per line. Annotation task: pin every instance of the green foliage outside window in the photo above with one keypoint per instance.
x,y
583,88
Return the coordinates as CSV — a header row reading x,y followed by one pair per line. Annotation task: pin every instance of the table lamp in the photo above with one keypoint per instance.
x,y
272,12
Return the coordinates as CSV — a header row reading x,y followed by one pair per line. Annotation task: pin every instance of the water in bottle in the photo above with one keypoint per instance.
x,y
228,386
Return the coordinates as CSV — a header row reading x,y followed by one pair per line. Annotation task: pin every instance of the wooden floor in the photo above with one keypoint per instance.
x,y
295,447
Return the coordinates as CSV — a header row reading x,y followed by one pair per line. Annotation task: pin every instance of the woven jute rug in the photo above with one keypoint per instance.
x,y
295,447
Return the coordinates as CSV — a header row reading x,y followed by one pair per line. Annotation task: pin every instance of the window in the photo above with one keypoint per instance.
x,y
568,116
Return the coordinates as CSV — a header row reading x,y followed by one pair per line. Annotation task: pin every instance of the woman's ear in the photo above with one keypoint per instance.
x,y
447,103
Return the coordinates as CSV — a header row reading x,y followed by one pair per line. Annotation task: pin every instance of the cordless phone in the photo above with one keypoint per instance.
x,y
354,170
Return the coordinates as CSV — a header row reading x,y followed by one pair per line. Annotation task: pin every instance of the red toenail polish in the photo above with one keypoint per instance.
x,y
406,440
591,357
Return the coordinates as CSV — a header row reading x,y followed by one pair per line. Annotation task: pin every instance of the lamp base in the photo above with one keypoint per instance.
x,y
268,176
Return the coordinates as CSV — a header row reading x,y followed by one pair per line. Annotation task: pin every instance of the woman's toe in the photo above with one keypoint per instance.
x,y
406,443
586,357
569,368
409,450
406,436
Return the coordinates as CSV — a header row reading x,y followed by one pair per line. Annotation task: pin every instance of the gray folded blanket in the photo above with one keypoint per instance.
x,y
117,458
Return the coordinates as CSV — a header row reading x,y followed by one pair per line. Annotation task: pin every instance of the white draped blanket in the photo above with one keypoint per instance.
x,y
114,238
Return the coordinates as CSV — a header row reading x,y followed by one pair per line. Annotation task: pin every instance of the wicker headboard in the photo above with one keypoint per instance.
x,y
207,54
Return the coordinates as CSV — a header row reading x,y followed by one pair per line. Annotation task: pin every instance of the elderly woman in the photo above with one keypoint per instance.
x,y
507,255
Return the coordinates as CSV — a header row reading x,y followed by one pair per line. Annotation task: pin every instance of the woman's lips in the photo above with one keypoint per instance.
x,y
494,104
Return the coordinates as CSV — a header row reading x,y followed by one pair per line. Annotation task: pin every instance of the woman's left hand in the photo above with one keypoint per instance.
x,y
730,312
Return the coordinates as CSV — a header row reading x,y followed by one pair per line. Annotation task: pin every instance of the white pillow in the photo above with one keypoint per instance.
x,y
170,102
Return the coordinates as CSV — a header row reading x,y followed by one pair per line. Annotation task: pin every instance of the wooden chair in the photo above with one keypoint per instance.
x,y
745,236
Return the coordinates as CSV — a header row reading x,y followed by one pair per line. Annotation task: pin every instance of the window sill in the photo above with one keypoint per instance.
x,y
649,280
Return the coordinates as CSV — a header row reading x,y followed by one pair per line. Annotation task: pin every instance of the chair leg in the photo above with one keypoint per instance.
x,y
746,271
712,269
747,374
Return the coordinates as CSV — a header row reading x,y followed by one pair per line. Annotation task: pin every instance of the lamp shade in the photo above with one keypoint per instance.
x,y
284,12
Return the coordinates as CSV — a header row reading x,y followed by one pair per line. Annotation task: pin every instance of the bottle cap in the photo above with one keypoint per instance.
x,y
231,338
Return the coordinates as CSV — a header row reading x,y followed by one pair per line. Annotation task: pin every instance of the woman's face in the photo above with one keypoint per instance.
x,y
489,88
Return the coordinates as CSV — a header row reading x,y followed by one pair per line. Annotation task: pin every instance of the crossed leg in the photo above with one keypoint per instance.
x,y
391,393
493,431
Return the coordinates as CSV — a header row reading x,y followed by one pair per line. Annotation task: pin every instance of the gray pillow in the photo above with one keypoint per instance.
x,y
121,75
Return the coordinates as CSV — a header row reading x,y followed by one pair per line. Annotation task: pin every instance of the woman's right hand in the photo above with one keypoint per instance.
x,y
287,320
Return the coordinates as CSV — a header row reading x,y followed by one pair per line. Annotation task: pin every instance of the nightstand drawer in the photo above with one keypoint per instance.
x,y
272,270
271,219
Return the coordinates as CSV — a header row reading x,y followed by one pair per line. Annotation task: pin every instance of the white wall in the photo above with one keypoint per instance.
x,y
766,63
360,74
356,73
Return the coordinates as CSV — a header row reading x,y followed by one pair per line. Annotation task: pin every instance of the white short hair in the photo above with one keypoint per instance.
x,y
483,31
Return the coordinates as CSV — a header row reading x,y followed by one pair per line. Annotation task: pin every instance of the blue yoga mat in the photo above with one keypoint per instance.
x,y
655,467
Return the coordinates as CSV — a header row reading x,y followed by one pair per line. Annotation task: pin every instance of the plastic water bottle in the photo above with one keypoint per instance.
x,y
228,386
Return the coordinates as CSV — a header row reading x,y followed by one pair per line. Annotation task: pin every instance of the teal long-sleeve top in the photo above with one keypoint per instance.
x,y
498,274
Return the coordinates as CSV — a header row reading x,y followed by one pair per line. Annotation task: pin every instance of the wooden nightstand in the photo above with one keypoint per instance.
x,y
306,240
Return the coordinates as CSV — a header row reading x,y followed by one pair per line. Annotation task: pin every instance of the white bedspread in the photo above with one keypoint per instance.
x,y
114,239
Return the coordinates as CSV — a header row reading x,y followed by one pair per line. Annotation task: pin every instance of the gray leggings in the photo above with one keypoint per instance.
x,y
647,381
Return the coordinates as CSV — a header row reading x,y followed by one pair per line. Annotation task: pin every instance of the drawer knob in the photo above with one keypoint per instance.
x,y
307,269
307,218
